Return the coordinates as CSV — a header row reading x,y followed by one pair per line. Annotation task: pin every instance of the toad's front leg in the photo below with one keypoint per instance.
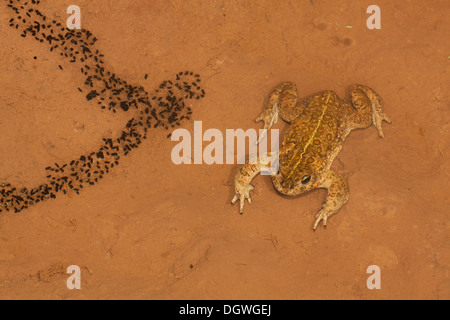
x,y
337,196
245,175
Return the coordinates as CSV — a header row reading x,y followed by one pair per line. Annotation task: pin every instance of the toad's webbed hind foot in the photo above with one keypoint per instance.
x,y
369,109
281,102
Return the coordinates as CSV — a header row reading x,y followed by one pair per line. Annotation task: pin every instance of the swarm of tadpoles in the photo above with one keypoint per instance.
x,y
165,107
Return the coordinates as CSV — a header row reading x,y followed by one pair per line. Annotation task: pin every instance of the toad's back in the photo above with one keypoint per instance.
x,y
313,138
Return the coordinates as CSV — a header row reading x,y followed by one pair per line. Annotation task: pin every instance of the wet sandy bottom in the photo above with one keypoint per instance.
x,y
151,229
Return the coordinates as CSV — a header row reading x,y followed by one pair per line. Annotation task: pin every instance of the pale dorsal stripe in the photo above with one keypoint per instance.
x,y
319,122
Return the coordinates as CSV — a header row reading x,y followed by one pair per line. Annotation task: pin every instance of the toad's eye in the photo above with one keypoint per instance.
x,y
306,179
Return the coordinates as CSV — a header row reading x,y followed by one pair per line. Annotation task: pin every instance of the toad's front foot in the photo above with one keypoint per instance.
x,y
244,177
322,215
242,192
337,196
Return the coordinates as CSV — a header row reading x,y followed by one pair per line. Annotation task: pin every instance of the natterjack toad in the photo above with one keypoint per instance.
x,y
319,126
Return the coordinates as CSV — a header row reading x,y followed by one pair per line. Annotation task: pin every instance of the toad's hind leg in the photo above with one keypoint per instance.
x,y
369,109
281,102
